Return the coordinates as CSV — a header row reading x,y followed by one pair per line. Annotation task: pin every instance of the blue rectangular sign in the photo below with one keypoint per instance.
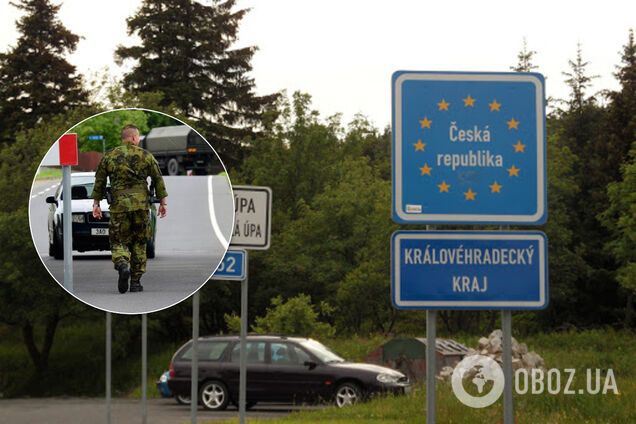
x,y
469,270
469,148
232,267
95,137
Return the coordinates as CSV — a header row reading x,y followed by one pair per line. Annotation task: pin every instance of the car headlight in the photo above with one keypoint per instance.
x,y
78,218
387,378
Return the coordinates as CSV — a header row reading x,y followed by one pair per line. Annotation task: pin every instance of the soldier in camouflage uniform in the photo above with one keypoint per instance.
x,y
129,167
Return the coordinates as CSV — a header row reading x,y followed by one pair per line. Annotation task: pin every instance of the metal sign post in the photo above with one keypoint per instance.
x,y
194,380
67,228
431,365
243,353
144,368
506,325
109,338
68,155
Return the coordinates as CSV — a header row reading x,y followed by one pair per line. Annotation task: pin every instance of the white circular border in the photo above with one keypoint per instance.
x,y
62,285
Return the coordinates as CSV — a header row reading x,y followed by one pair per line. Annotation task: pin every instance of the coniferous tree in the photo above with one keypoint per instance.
x,y
580,127
36,81
186,53
524,59
578,81
622,112
621,130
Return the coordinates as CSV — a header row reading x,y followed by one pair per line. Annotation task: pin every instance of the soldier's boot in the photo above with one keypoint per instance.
x,y
124,274
135,286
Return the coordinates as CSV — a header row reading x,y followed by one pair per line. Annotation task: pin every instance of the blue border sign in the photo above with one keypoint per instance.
x,y
469,270
469,148
232,267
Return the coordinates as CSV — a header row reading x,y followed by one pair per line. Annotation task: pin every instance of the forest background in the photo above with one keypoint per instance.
x,y
327,271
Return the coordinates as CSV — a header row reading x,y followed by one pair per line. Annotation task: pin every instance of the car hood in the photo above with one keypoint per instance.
x,y
83,205
367,367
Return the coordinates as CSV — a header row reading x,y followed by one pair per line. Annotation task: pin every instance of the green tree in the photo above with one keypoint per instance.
x,y
578,81
109,126
621,123
187,53
587,292
620,218
296,316
36,81
31,300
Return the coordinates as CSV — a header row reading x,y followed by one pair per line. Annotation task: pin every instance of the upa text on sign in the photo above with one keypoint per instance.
x,y
469,270
252,223
469,148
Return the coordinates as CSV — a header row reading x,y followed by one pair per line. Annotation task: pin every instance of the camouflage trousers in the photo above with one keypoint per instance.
x,y
128,233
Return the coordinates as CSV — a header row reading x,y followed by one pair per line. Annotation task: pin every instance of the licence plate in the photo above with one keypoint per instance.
x,y
99,231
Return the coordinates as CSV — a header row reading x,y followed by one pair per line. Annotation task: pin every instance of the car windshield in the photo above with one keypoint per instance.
x,y
321,351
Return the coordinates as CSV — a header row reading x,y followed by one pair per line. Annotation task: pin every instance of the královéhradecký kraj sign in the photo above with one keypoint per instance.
x,y
469,148
469,270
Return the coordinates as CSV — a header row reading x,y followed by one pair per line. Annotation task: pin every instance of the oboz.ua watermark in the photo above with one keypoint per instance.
x,y
485,381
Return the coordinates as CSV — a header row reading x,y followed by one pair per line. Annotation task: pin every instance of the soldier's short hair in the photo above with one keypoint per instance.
x,y
128,131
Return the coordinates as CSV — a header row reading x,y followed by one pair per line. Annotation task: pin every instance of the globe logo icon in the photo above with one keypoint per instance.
x,y
479,370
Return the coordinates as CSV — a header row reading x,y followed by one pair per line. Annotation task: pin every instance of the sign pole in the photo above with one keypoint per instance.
x,y
243,353
506,327
506,323
67,228
144,367
194,389
109,338
431,321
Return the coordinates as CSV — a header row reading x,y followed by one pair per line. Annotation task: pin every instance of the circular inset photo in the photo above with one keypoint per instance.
x,y
150,214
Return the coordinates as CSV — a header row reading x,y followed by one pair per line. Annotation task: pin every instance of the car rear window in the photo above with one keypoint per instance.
x,y
208,351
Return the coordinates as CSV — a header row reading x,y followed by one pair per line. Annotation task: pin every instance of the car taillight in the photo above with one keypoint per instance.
x,y
171,369
192,150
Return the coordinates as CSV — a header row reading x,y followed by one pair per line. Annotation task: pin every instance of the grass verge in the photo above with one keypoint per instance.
x,y
599,349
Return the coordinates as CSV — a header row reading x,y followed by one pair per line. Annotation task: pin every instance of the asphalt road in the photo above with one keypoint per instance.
x,y
190,243
123,411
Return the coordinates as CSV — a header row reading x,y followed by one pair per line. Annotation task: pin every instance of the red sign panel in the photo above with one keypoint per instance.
x,y
68,149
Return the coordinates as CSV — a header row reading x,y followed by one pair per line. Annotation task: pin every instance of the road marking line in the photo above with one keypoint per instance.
x,y
215,224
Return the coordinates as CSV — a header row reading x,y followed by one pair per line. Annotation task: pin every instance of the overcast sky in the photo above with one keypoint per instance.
x,y
343,52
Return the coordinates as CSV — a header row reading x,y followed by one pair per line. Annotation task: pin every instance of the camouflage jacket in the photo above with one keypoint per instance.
x,y
128,167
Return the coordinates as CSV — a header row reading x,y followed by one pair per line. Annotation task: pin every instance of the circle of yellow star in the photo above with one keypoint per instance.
x,y
519,147
494,106
443,105
469,101
470,194
513,171
443,187
513,124
495,187
419,146
426,170
425,123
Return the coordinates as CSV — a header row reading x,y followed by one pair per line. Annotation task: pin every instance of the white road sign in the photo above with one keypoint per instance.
x,y
252,223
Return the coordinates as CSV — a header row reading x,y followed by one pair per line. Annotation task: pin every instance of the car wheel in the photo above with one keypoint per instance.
x,y
347,394
173,166
182,399
214,395
57,249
